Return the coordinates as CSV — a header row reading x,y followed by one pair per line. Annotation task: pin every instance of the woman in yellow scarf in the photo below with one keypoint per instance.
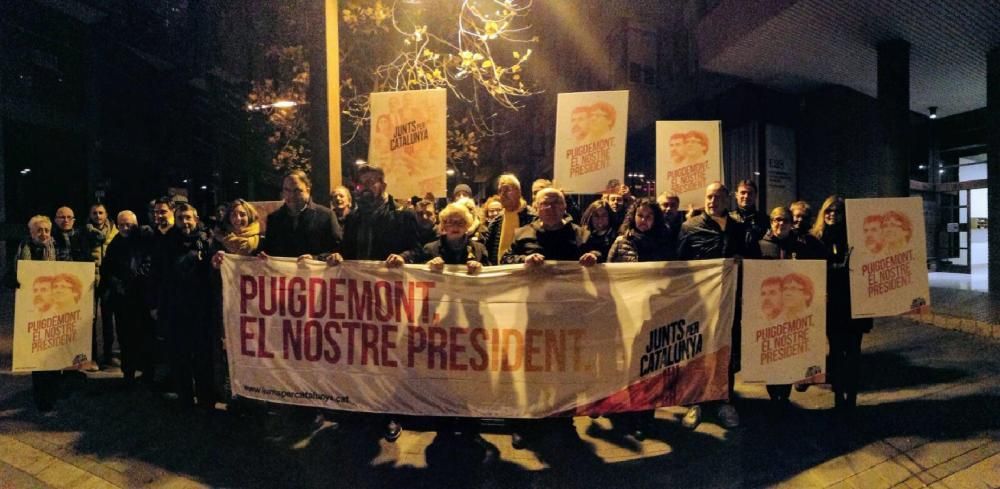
x,y
242,229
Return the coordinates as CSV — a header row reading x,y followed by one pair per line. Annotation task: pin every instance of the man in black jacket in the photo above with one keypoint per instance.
x,y
300,228
378,230
552,236
716,234
746,211
124,268
185,299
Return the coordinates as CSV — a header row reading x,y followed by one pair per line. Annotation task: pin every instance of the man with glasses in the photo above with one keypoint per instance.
x,y
73,244
300,228
551,237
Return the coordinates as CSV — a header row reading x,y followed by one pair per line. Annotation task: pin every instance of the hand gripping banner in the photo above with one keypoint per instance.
x,y
508,342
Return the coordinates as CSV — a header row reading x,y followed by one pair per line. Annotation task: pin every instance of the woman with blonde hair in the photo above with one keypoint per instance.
x,y
844,333
241,229
455,246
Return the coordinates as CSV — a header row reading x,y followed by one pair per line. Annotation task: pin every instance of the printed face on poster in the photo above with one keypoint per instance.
x,y
408,141
889,258
784,321
688,158
591,128
53,315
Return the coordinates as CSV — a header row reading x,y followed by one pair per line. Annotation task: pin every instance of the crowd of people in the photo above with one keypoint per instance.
x,y
159,290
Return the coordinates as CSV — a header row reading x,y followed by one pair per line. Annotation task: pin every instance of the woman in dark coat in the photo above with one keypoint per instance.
x,y
844,333
642,238
597,219
782,243
455,246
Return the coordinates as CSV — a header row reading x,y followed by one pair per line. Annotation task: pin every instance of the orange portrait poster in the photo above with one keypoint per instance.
x,y
888,256
688,158
784,321
53,315
591,128
408,141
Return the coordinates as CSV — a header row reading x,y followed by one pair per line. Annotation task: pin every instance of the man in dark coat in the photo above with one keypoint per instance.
x,y
746,212
124,268
673,218
378,230
300,228
499,233
184,303
552,236
715,234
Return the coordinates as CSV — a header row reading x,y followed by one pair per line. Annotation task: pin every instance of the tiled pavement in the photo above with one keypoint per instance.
x,y
927,416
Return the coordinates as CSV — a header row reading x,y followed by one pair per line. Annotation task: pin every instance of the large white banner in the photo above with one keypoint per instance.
x,y
408,141
784,321
508,342
591,129
688,158
889,256
53,315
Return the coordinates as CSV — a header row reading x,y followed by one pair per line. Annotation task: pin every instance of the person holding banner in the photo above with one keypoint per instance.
x,y
551,237
782,243
378,230
300,228
716,234
455,246
185,300
643,238
500,233
845,334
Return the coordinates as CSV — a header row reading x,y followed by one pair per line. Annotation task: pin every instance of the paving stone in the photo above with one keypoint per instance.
x,y
935,453
885,474
965,460
985,474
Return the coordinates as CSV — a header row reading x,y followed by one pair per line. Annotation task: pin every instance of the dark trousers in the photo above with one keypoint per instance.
x,y
191,366
135,337
845,364
108,326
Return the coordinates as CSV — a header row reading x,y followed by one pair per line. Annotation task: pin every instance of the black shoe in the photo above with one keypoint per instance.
x,y
392,431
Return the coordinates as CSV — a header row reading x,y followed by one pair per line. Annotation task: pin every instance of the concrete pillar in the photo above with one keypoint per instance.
x,y
993,166
893,174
